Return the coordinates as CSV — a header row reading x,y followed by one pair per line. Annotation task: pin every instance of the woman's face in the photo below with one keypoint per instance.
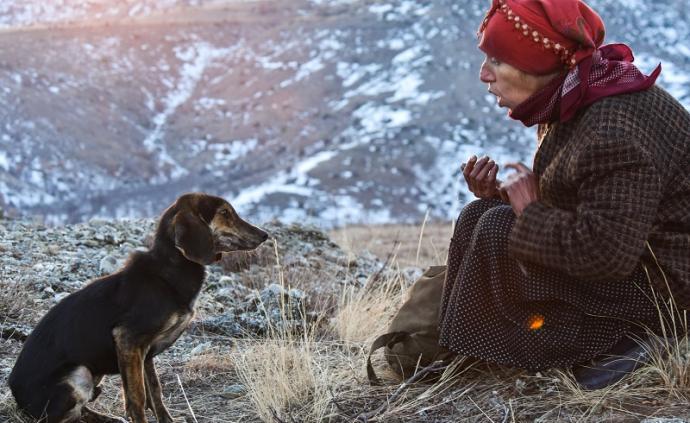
x,y
510,86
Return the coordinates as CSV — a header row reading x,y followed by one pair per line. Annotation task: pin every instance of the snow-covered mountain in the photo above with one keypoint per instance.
x,y
330,111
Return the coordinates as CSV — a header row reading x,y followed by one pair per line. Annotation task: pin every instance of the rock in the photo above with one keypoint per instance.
x,y
108,265
226,324
18,332
411,274
307,248
59,296
91,243
233,391
53,249
273,308
200,349
362,279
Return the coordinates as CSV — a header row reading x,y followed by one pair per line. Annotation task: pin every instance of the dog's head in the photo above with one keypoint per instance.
x,y
203,227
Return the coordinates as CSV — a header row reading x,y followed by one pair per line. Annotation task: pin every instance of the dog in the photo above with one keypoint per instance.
x,y
118,323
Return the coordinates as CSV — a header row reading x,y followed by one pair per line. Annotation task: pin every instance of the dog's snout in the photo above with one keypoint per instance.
x,y
242,236
257,236
253,233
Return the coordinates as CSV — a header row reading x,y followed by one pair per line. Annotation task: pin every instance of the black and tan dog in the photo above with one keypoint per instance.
x,y
118,323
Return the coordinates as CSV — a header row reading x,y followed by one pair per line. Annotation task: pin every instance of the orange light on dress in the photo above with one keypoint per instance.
x,y
535,322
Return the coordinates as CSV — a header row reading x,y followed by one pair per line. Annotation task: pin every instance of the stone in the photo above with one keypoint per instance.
x,y
201,349
53,249
233,391
59,296
107,265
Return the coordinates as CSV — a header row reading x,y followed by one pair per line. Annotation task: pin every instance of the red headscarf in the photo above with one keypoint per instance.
x,y
541,37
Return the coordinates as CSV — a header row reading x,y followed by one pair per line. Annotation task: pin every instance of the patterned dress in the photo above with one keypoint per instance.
x,y
575,272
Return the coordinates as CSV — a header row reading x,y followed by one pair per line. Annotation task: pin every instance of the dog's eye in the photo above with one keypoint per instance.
x,y
225,213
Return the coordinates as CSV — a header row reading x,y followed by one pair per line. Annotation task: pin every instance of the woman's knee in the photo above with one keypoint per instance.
x,y
495,224
471,213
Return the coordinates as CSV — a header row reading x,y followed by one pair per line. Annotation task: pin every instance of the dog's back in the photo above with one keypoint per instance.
x,y
78,330
75,331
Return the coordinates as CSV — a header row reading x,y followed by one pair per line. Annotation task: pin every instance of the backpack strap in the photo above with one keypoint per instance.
x,y
385,340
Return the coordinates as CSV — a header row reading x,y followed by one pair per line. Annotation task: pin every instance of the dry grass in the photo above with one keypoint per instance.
x,y
410,245
363,314
284,374
15,300
317,373
8,409
280,375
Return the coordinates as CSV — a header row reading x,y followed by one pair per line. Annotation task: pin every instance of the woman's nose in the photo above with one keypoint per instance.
x,y
485,74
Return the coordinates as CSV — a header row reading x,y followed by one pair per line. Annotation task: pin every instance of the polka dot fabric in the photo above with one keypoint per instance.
x,y
521,315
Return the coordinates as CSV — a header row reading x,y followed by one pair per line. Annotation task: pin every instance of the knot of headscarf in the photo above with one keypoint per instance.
x,y
606,72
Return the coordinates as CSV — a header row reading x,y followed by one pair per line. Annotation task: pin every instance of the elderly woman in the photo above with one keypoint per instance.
x,y
562,264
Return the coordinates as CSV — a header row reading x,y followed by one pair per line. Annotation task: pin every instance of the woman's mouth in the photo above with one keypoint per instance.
x,y
499,99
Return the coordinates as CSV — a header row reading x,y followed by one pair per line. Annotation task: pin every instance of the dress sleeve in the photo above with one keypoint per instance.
x,y
619,191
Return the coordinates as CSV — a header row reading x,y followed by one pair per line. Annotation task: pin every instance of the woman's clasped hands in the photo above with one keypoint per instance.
x,y
520,189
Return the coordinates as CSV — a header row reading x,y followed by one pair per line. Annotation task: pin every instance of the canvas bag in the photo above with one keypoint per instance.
x,y
412,339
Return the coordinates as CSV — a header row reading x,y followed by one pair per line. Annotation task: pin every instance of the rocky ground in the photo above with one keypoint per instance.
x,y
42,265
298,269
282,334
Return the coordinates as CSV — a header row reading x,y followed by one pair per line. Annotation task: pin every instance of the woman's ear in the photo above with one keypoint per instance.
x,y
193,238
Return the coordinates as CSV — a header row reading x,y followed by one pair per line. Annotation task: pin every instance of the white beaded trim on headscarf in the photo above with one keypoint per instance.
x,y
563,53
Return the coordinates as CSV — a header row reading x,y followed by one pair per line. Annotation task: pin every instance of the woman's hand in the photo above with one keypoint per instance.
x,y
481,177
521,189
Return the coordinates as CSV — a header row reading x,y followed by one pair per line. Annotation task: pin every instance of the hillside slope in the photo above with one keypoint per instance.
x,y
332,112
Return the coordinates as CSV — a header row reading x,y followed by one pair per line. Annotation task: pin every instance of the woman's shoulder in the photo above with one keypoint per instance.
x,y
652,110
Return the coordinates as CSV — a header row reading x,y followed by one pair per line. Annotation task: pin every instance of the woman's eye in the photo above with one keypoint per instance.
x,y
494,61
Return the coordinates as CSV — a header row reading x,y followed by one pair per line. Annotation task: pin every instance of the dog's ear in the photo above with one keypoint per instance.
x,y
193,238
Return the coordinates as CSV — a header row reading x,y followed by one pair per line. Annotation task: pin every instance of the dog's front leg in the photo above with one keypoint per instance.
x,y
130,360
154,393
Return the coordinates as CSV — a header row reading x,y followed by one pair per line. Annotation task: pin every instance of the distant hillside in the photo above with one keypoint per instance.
x,y
333,112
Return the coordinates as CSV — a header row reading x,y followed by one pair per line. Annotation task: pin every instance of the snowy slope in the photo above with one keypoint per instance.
x,y
334,112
